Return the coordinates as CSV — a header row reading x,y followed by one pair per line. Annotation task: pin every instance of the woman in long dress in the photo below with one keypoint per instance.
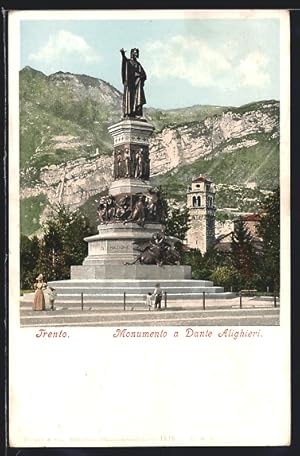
x,y
39,298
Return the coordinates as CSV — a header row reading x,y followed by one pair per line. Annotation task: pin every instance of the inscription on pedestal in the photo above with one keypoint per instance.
x,y
98,247
119,246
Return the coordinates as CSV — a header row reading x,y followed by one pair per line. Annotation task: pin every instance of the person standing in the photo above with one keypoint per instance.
x,y
39,298
157,294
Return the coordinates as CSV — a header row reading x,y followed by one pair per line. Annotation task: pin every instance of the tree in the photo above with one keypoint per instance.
x,y
203,266
29,253
212,260
194,259
50,261
177,222
243,256
269,230
62,244
226,276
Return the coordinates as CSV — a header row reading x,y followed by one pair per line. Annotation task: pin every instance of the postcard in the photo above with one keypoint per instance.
x,y
149,221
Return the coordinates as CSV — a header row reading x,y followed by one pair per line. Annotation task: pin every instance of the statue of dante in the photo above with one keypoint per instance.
x,y
133,78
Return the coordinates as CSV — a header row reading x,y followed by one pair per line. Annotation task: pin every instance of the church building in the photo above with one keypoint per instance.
x,y
201,206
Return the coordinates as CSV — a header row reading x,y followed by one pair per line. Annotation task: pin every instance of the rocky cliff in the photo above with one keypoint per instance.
x,y
229,131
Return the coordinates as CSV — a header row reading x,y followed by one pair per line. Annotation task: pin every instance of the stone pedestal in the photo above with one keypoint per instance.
x,y
129,186
131,132
130,272
111,251
131,152
115,243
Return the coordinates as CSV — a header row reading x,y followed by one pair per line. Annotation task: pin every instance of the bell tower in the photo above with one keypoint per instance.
x,y
201,206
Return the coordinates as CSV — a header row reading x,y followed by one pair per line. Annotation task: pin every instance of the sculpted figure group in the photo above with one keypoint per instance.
x,y
131,163
158,251
140,208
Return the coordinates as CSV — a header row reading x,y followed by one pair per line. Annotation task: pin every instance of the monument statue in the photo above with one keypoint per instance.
x,y
133,78
131,243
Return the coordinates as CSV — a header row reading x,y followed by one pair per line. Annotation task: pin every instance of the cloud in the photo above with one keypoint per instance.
x,y
187,58
62,45
205,65
253,70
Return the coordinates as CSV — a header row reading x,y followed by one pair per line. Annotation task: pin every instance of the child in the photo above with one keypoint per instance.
x,y
149,300
52,296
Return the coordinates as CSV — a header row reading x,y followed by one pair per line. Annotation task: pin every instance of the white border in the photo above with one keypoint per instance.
x,y
29,387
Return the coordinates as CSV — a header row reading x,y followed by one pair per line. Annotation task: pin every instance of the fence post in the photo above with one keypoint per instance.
x,y
275,304
81,301
165,299
124,300
240,299
203,299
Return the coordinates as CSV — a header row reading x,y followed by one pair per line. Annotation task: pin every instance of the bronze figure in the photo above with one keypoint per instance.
x,y
133,78
157,251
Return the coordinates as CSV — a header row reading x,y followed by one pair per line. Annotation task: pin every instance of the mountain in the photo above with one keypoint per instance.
x,y
63,117
65,148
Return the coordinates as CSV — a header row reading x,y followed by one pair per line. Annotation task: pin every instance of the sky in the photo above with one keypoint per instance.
x,y
222,62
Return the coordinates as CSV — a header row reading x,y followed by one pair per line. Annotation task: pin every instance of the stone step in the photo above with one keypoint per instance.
x,y
129,283
111,291
132,290
114,267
